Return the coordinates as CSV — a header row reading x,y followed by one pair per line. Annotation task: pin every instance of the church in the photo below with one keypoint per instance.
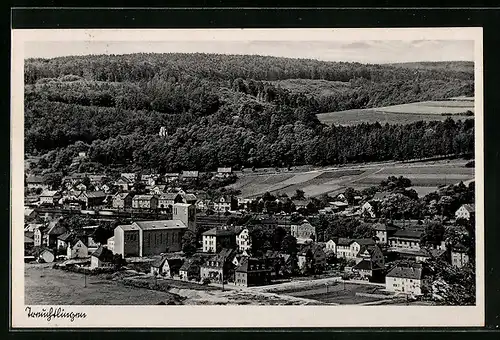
x,y
146,238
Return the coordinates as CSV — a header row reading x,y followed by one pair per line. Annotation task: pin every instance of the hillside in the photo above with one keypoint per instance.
x,y
456,66
226,110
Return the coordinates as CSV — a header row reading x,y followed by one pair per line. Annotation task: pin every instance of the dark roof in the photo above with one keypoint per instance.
x,y
370,247
65,237
365,241
143,197
159,262
367,265
383,227
103,254
406,233
56,229
95,194
193,261
35,180
342,241
219,232
28,239
169,196
406,271
459,248
122,195
246,263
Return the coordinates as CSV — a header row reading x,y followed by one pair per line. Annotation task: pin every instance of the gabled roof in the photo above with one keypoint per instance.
x,y
161,224
406,271
123,180
469,207
247,262
219,232
103,254
95,194
169,196
28,212
65,237
49,193
128,227
371,248
122,195
190,197
143,197
383,227
406,233
366,264
158,263
56,229
28,239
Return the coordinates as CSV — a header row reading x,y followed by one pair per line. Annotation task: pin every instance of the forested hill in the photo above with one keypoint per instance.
x,y
227,110
455,66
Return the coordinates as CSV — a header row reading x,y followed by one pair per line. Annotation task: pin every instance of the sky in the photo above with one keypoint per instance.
x,y
363,51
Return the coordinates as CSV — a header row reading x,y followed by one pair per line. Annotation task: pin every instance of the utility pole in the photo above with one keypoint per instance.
x,y
85,278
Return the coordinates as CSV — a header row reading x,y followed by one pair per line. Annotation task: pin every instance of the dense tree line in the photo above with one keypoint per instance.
x,y
226,111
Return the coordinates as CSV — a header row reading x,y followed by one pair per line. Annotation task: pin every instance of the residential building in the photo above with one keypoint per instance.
x,y
219,268
28,241
371,252
383,231
459,256
466,211
167,201
101,258
50,197
92,198
405,278
111,244
62,240
330,246
74,179
368,209
224,172
303,232
368,269
76,249
161,267
124,183
53,231
190,175
29,214
252,272
129,176
122,200
190,269
171,177
158,189
349,248
313,255
189,198
418,255
300,204
225,203
35,182
217,238
145,202
97,179
243,240
38,235
405,238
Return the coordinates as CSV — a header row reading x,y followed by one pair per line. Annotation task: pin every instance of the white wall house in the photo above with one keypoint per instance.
x,y
243,240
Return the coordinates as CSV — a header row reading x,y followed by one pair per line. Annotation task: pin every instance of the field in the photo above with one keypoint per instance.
x,y
402,114
338,293
44,286
425,177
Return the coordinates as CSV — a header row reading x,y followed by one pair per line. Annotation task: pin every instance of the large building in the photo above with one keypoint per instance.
x,y
303,231
215,239
145,238
405,278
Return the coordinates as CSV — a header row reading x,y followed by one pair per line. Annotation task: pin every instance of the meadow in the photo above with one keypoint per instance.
x,y
402,114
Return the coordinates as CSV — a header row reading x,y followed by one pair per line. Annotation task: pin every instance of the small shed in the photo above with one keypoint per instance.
x,y
161,267
102,257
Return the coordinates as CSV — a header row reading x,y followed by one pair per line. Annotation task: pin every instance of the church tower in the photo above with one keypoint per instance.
x,y
185,213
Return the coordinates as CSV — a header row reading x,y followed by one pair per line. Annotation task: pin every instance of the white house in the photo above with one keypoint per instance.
x,y
330,246
76,249
102,257
368,209
218,238
466,211
161,267
111,244
243,240
407,279
349,248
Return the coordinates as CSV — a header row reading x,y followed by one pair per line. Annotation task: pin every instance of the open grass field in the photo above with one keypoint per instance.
x,y
44,286
402,114
425,177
